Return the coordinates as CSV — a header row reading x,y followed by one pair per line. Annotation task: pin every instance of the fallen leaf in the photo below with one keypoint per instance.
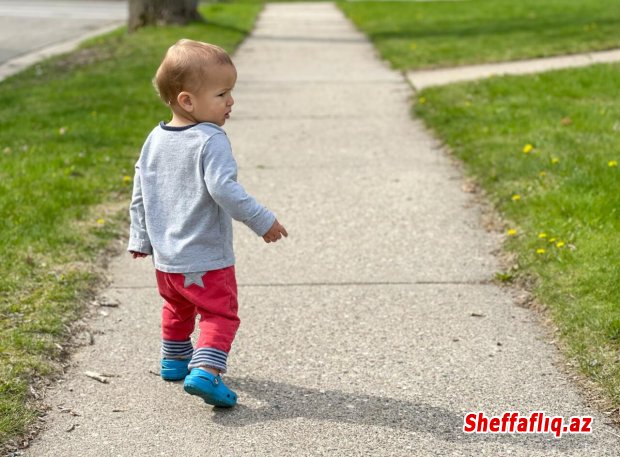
x,y
469,187
34,393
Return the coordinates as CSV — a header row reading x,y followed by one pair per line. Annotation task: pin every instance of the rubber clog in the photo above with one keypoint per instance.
x,y
210,388
174,369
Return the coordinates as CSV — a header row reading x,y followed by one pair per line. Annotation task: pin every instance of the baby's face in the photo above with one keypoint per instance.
x,y
214,101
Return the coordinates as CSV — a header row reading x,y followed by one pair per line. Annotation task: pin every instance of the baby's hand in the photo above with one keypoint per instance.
x,y
275,232
137,254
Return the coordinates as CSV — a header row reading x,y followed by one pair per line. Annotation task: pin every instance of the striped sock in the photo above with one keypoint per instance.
x,y
211,357
176,349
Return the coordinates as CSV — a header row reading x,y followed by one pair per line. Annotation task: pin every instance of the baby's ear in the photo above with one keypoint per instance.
x,y
184,99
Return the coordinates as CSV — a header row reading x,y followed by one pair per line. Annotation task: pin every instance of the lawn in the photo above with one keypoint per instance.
x,y
443,34
546,149
72,128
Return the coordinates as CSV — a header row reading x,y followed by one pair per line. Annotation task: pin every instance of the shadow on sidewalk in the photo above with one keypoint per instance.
x,y
286,401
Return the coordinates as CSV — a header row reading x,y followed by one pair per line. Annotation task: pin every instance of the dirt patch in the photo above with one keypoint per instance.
x,y
82,57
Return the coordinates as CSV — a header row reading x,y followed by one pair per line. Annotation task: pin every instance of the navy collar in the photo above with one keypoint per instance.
x,y
164,126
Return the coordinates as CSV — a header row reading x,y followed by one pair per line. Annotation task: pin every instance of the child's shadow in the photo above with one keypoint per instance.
x,y
285,401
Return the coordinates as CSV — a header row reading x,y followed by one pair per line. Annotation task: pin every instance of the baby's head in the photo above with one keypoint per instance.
x,y
195,80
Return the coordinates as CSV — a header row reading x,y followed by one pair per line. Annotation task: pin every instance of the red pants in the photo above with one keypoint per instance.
x,y
213,295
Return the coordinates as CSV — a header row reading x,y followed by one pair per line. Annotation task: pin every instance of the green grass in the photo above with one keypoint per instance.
x,y
569,191
72,128
441,34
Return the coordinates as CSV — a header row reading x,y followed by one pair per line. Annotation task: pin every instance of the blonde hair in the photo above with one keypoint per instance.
x,y
185,66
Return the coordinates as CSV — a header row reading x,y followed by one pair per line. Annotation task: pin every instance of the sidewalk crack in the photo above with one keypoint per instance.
x,y
482,282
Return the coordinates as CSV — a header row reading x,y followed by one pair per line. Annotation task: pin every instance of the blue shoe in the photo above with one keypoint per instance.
x,y
174,369
210,388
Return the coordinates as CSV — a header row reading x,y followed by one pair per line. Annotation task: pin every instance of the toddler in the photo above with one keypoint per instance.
x,y
185,195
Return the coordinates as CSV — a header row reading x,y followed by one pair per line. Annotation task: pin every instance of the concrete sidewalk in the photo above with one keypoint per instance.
x,y
372,329
421,79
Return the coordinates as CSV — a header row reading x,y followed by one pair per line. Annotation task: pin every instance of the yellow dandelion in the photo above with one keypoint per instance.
x,y
516,197
512,232
422,100
552,240
559,244
542,174
542,235
555,160
612,163
413,46
527,148
540,251
126,179
100,221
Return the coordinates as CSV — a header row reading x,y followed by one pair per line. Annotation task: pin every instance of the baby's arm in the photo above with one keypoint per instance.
x,y
220,175
139,242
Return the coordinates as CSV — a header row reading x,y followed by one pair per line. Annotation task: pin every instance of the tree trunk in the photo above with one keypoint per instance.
x,y
161,12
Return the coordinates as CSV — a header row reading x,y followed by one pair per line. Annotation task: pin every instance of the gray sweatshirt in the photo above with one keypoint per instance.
x,y
185,195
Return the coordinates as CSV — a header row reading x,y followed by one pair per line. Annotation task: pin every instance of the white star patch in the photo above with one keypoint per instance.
x,y
194,278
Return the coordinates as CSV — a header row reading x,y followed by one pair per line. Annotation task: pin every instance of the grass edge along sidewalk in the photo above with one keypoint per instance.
x,y
66,165
544,150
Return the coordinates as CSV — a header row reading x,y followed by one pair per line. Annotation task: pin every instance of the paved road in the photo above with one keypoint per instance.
x,y
30,25
372,329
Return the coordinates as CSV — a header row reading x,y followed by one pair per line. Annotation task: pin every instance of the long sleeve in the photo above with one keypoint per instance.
x,y
138,237
220,175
